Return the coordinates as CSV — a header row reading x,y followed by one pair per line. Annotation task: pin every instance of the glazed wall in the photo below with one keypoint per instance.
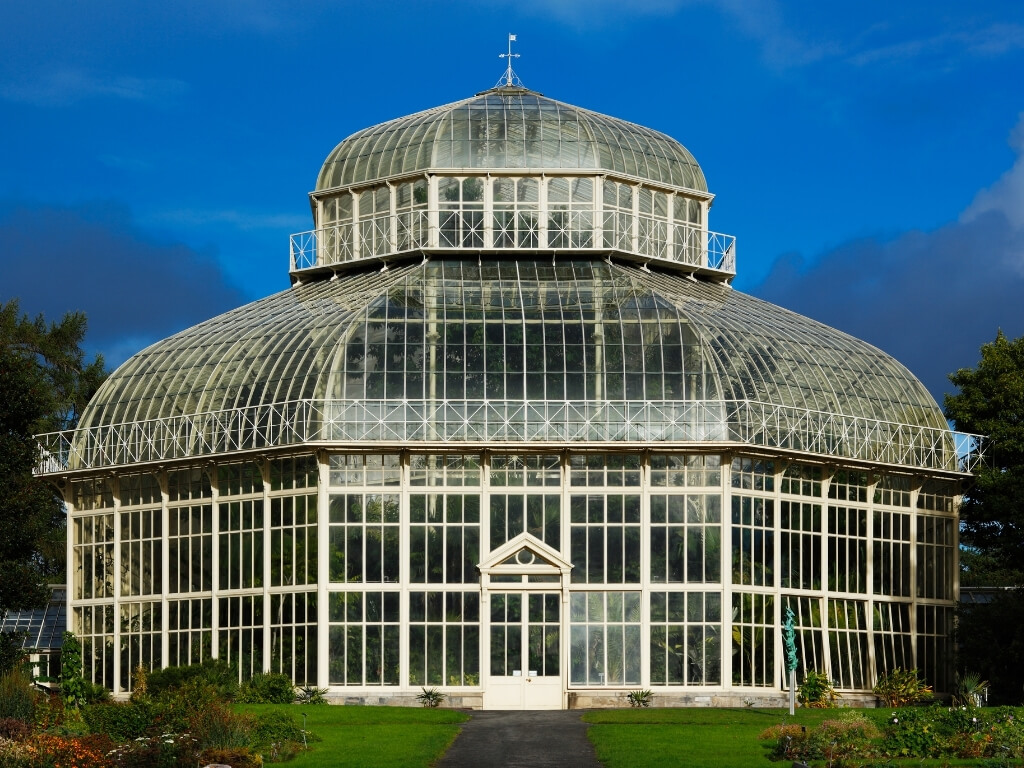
x,y
359,572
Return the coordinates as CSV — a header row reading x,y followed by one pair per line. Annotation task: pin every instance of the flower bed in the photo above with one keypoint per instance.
x,y
916,732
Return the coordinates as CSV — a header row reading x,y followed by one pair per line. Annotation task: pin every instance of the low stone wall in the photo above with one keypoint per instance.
x,y
607,700
451,701
615,699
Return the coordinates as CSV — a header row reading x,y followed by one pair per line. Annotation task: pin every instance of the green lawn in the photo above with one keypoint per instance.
x,y
702,738
384,737
396,737
692,737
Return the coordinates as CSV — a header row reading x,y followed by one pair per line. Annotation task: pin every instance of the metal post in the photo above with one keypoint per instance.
x,y
792,692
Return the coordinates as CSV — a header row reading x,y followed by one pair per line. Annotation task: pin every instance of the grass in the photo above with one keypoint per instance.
x,y
703,738
384,737
692,737
397,737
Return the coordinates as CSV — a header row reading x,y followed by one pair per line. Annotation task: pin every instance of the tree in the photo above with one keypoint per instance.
x,y
990,402
990,640
45,382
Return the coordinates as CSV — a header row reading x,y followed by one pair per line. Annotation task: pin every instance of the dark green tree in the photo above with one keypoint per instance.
x,y
45,382
990,643
990,402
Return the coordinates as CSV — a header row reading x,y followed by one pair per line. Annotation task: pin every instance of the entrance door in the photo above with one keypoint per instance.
x,y
525,646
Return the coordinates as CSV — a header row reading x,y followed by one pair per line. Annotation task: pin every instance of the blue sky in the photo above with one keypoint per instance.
x,y
869,156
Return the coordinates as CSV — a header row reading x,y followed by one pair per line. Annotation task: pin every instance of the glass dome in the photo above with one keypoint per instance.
x,y
499,330
509,128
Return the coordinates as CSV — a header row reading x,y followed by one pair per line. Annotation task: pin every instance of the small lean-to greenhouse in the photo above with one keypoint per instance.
x,y
510,433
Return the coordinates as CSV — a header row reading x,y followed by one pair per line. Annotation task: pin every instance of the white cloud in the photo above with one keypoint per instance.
x,y
1007,195
781,47
244,220
993,40
69,86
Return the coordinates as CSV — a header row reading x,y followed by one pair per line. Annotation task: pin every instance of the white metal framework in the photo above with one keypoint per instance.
x,y
511,433
527,212
517,423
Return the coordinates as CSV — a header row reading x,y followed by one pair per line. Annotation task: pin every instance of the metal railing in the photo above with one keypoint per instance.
x,y
635,423
646,237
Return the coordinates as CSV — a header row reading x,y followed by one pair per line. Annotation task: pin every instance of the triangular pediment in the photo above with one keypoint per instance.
x,y
524,554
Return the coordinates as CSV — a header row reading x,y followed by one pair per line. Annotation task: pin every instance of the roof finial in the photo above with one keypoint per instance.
x,y
510,77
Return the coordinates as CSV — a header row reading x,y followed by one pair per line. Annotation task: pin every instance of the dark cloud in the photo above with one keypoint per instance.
x,y
93,258
930,299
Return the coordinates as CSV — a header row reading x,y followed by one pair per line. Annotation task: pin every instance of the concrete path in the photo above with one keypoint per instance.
x,y
522,740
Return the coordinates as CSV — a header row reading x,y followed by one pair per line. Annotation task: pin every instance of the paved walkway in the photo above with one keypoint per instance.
x,y
549,739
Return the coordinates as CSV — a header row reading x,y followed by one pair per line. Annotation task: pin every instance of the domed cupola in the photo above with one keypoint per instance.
x,y
511,170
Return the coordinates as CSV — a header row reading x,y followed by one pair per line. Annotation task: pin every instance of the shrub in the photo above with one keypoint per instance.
x,y
430,697
267,688
817,691
187,704
789,740
14,729
311,695
277,726
1006,734
14,754
122,721
280,751
843,739
167,750
917,732
94,693
79,751
223,677
140,683
12,651
971,690
72,686
640,698
906,735
50,711
850,736
901,687
278,736
220,728
17,699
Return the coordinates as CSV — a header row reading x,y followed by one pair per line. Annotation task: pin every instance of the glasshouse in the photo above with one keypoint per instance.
x,y
511,434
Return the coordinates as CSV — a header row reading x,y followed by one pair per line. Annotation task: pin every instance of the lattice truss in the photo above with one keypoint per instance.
x,y
512,422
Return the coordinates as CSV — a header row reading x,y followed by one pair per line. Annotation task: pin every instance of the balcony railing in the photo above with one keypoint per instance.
x,y
453,229
392,423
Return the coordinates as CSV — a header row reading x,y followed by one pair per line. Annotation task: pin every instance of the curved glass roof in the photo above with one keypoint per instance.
x,y
509,127
455,329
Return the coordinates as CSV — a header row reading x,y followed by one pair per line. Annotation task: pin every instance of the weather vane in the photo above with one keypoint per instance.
x,y
510,77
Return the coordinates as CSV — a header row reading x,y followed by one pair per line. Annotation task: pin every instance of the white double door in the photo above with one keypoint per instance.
x,y
525,651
